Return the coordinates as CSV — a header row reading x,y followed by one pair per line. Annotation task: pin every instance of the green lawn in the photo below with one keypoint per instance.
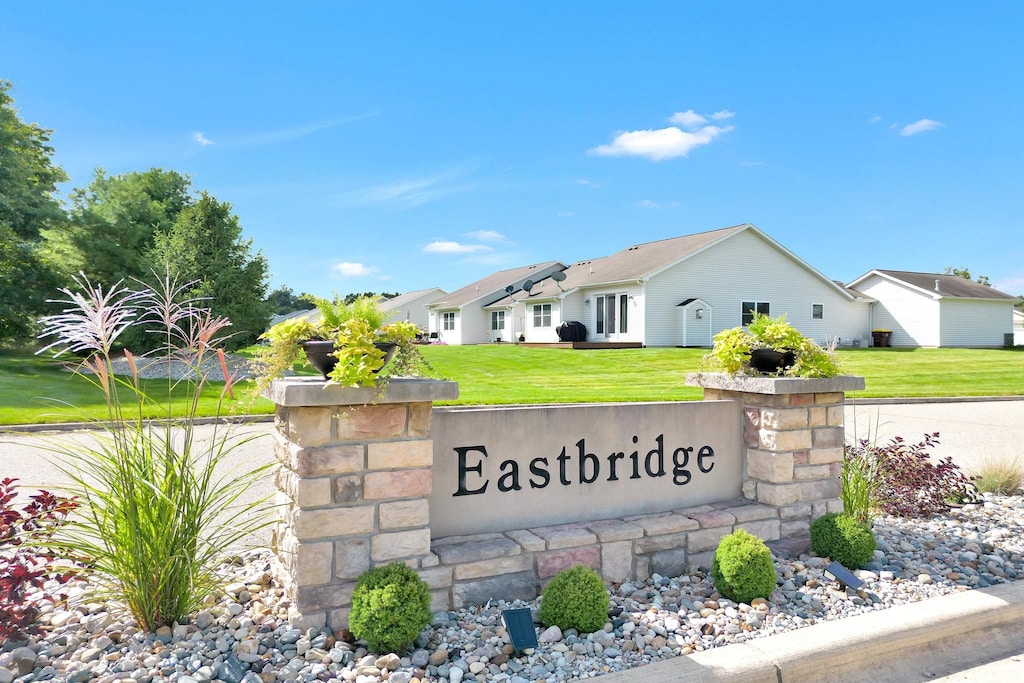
x,y
493,374
35,389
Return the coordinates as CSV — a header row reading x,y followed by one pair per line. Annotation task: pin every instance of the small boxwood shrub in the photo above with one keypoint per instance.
x,y
390,606
742,568
575,598
842,538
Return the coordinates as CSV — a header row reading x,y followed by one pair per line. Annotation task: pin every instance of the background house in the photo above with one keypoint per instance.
x,y
461,317
412,306
681,291
928,309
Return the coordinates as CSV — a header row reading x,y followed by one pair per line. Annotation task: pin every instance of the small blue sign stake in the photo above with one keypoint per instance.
x,y
519,624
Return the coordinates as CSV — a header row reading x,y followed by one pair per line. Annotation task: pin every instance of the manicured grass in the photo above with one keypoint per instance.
x,y
36,390
496,374
492,374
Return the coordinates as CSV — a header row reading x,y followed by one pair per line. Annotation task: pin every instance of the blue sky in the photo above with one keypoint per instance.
x,y
400,146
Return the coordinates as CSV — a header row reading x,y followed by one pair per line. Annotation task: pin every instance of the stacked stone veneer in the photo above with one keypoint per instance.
x,y
356,472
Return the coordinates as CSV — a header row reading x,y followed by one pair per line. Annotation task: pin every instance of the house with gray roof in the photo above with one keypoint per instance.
x,y
412,306
463,316
929,309
682,291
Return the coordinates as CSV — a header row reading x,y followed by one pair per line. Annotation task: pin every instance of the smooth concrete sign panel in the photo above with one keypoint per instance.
x,y
517,467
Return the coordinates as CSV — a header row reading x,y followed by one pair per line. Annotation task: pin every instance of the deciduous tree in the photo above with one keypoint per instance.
x,y
28,205
205,245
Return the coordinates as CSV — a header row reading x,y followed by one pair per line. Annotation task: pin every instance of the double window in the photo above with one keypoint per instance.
x,y
542,315
749,308
448,321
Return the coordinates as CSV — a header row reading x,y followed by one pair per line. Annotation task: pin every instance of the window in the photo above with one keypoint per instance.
x,y
623,301
542,315
448,320
497,320
817,311
749,308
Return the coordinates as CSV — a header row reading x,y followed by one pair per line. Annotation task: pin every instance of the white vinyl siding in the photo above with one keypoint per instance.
x,y
912,315
975,323
738,269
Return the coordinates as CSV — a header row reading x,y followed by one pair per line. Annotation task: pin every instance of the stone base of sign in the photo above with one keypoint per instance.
x,y
356,473
516,564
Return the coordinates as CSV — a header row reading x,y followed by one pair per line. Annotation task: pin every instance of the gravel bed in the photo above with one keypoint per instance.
x,y
244,635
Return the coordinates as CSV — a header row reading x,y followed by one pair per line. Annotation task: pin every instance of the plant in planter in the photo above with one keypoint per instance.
x,y
349,345
770,346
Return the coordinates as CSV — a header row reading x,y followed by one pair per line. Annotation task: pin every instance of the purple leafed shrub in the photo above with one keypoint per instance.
x,y
908,483
24,564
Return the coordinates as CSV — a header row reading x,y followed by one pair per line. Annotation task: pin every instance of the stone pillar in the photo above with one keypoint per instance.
x,y
793,436
353,484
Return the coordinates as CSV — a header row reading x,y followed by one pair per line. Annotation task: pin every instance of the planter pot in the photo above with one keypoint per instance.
x,y
770,361
321,354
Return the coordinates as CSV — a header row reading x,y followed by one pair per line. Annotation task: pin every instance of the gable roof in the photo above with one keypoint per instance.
x,y
493,286
939,286
642,261
410,297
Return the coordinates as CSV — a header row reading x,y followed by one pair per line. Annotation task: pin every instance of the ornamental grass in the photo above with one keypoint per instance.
x,y
157,506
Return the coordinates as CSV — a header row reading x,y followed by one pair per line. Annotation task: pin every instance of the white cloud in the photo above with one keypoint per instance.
x,y
751,163
657,145
201,139
449,247
723,115
564,214
922,126
349,269
688,119
875,119
650,204
487,235
302,130
406,194
1011,284
588,183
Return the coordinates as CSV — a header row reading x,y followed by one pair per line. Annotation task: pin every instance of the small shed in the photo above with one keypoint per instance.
x,y
694,323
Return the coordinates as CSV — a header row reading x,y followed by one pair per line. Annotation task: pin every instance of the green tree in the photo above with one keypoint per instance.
x,y
966,274
205,245
114,222
28,205
283,300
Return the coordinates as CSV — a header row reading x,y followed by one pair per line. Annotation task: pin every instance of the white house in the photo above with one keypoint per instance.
x,y
461,317
927,309
412,306
682,291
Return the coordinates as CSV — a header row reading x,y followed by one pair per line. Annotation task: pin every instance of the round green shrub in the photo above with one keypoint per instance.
x,y
575,598
742,568
842,538
390,606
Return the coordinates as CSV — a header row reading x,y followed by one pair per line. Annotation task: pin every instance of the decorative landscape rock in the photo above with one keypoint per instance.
x,y
657,618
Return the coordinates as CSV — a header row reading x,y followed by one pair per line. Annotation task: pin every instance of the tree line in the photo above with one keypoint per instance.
x,y
132,226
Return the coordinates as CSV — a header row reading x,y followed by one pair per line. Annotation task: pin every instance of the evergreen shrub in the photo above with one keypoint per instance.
x,y
390,606
742,568
842,538
575,598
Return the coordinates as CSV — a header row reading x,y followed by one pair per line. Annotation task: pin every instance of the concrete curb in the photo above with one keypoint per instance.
x,y
914,642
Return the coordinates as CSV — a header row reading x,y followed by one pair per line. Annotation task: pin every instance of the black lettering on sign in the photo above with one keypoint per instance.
x,y
463,468
588,458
